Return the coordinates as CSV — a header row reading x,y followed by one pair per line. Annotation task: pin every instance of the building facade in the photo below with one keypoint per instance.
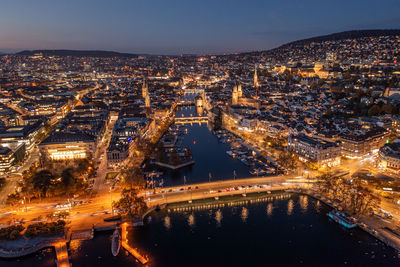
x,y
389,157
358,144
322,152
68,146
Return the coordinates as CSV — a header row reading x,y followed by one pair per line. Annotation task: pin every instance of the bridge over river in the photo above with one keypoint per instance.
x,y
216,189
185,120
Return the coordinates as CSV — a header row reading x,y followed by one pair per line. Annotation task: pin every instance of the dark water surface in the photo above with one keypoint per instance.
x,y
279,231
209,155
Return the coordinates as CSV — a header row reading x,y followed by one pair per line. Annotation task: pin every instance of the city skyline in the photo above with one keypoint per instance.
x,y
177,27
199,133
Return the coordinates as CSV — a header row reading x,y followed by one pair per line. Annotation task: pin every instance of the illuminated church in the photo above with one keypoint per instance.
x,y
239,99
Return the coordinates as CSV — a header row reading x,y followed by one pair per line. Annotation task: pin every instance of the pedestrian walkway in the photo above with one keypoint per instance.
x,y
131,250
62,254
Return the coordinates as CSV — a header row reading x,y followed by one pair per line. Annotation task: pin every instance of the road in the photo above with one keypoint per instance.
x,y
214,189
93,213
102,168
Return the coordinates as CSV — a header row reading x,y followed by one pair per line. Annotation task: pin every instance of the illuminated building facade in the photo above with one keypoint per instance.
x,y
21,134
389,156
322,152
360,143
10,155
68,146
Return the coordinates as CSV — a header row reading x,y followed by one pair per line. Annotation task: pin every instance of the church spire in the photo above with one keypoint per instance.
x,y
240,91
255,81
235,95
147,100
145,88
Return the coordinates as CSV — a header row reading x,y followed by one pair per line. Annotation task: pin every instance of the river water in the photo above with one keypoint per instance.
x,y
273,230
209,155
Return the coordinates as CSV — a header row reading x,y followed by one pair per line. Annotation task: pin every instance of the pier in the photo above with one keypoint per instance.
x,y
131,250
174,167
62,254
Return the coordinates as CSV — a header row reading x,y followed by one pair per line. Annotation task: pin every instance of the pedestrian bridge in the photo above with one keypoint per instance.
x,y
193,91
185,120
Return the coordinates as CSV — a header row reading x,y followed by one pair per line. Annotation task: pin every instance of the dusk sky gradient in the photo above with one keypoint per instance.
x,y
176,27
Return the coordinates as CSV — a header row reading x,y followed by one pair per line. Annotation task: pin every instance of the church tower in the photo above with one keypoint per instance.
x,y
147,100
235,95
145,89
240,91
255,81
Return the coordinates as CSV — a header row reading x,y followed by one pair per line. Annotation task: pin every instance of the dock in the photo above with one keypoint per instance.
x,y
128,248
62,254
82,235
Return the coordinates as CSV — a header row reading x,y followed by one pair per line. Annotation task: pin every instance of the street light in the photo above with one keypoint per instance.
x,y
112,209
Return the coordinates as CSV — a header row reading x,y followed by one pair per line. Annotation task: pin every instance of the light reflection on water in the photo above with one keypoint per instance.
x,y
270,208
167,222
191,220
218,217
304,203
290,207
245,214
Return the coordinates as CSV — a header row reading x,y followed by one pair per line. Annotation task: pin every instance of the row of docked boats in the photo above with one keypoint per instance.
x,y
259,165
178,130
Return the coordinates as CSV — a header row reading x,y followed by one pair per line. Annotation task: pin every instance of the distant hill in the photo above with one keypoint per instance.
x,y
342,35
76,53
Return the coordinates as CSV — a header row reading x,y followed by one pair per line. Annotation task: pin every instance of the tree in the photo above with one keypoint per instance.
x,y
130,204
133,177
67,178
387,108
13,199
374,110
287,160
42,181
83,165
352,196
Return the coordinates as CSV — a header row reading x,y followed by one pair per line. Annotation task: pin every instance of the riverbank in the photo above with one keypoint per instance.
x,y
373,226
216,202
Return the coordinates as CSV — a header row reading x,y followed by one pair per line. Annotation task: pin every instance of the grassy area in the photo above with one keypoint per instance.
x,y
111,175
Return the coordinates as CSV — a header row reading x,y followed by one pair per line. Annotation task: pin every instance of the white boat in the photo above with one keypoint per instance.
x,y
115,243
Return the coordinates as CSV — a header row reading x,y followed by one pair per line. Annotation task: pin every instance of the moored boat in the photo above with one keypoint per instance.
x,y
115,243
342,219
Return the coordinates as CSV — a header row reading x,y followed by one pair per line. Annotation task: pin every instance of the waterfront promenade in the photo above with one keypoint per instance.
x,y
62,254
125,244
377,227
59,244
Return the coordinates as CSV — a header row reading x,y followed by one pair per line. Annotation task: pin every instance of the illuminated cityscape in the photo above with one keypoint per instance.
x,y
190,148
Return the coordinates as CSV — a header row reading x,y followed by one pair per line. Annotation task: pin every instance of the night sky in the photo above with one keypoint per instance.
x,y
176,27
